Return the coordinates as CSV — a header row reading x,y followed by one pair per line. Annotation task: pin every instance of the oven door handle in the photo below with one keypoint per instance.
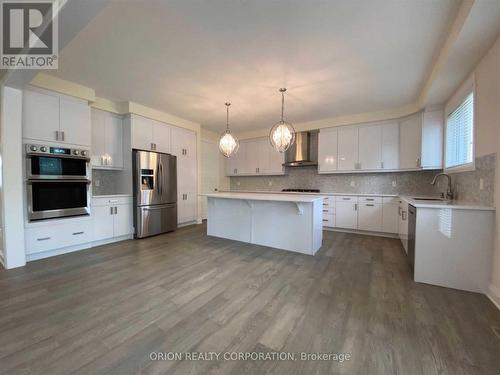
x,y
29,155
31,182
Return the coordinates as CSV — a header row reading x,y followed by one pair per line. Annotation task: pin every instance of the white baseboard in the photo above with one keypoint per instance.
x,y
494,295
355,231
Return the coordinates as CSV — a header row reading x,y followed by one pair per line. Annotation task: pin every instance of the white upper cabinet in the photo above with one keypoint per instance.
x,y
410,142
150,135
53,117
348,148
432,139
272,161
255,157
161,137
142,133
327,150
370,147
41,115
107,140
74,120
390,146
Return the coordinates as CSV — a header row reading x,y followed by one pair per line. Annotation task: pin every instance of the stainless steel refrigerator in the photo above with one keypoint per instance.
x,y
155,193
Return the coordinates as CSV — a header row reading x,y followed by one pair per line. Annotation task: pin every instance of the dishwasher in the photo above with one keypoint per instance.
x,y
412,225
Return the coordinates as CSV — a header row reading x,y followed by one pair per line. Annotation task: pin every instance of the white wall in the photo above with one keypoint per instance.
x,y
487,106
12,178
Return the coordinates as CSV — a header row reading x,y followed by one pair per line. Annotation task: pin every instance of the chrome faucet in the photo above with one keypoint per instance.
x,y
449,191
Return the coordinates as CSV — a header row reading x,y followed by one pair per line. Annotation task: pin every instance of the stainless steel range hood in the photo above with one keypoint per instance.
x,y
304,151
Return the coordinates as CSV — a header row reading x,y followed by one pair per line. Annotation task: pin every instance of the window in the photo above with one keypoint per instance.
x,y
460,134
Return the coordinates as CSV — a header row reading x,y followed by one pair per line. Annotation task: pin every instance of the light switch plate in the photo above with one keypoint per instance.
x,y
394,184
97,183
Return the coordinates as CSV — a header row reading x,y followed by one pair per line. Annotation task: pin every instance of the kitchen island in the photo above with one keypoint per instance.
x,y
290,222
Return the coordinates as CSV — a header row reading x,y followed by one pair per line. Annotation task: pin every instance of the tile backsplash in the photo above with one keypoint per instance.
x,y
408,183
109,182
465,184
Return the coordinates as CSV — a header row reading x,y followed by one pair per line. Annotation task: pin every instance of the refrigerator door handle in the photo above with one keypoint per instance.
x,y
161,179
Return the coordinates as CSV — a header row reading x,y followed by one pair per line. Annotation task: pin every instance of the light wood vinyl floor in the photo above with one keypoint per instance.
x,y
104,310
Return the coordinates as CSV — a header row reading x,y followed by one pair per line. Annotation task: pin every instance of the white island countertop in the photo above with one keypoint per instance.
x,y
276,197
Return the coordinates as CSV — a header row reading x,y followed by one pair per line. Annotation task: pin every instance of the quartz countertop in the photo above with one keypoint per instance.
x,y
277,197
305,193
112,196
454,204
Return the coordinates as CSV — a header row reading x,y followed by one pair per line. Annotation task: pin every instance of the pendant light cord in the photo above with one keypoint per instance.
x,y
282,90
227,115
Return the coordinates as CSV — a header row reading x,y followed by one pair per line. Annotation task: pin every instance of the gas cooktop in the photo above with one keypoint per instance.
x,y
301,190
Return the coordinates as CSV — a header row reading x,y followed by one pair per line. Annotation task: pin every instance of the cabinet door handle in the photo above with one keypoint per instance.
x,y
116,210
43,238
369,205
382,164
355,206
57,135
62,132
325,219
399,211
77,233
346,199
325,210
370,199
111,210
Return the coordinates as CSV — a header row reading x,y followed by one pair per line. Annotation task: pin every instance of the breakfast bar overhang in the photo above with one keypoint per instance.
x,y
290,222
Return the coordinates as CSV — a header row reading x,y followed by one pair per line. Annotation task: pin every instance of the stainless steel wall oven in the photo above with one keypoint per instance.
x,y
57,182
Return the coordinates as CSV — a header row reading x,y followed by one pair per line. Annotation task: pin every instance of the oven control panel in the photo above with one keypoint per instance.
x,y
33,149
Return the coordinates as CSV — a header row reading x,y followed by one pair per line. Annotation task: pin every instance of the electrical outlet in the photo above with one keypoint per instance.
x,y
394,184
270,183
353,183
481,184
97,183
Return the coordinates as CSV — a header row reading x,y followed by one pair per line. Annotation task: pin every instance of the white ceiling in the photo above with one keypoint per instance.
x,y
187,57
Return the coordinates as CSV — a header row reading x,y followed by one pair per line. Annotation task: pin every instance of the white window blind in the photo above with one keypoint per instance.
x,y
460,133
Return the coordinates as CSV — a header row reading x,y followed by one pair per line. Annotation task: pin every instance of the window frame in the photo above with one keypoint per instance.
x,y
471,166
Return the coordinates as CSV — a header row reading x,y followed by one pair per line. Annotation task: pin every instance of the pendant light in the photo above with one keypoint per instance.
x,y
228,143
282,135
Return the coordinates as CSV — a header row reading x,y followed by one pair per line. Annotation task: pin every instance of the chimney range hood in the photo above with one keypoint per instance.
x,y
304,151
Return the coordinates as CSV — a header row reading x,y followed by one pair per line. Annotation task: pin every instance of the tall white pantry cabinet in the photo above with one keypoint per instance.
x,y
153,135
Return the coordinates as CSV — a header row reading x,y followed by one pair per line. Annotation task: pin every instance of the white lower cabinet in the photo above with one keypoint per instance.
x,y
370,217
403,223
368,213
186,207
56,235
346,212
390,216
112,217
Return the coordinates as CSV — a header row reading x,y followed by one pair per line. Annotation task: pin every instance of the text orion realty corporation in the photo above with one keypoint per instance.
x,y
29,34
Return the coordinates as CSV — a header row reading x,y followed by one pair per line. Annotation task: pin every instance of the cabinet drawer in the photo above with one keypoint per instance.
x,y
346,198
56,236
328,210
111,200
390,200
370,200
328,220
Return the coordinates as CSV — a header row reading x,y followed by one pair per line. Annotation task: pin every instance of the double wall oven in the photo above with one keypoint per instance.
x,y
57,182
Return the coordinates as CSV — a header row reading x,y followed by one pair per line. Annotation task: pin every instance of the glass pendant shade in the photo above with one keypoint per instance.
x,y
228,143
282,135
